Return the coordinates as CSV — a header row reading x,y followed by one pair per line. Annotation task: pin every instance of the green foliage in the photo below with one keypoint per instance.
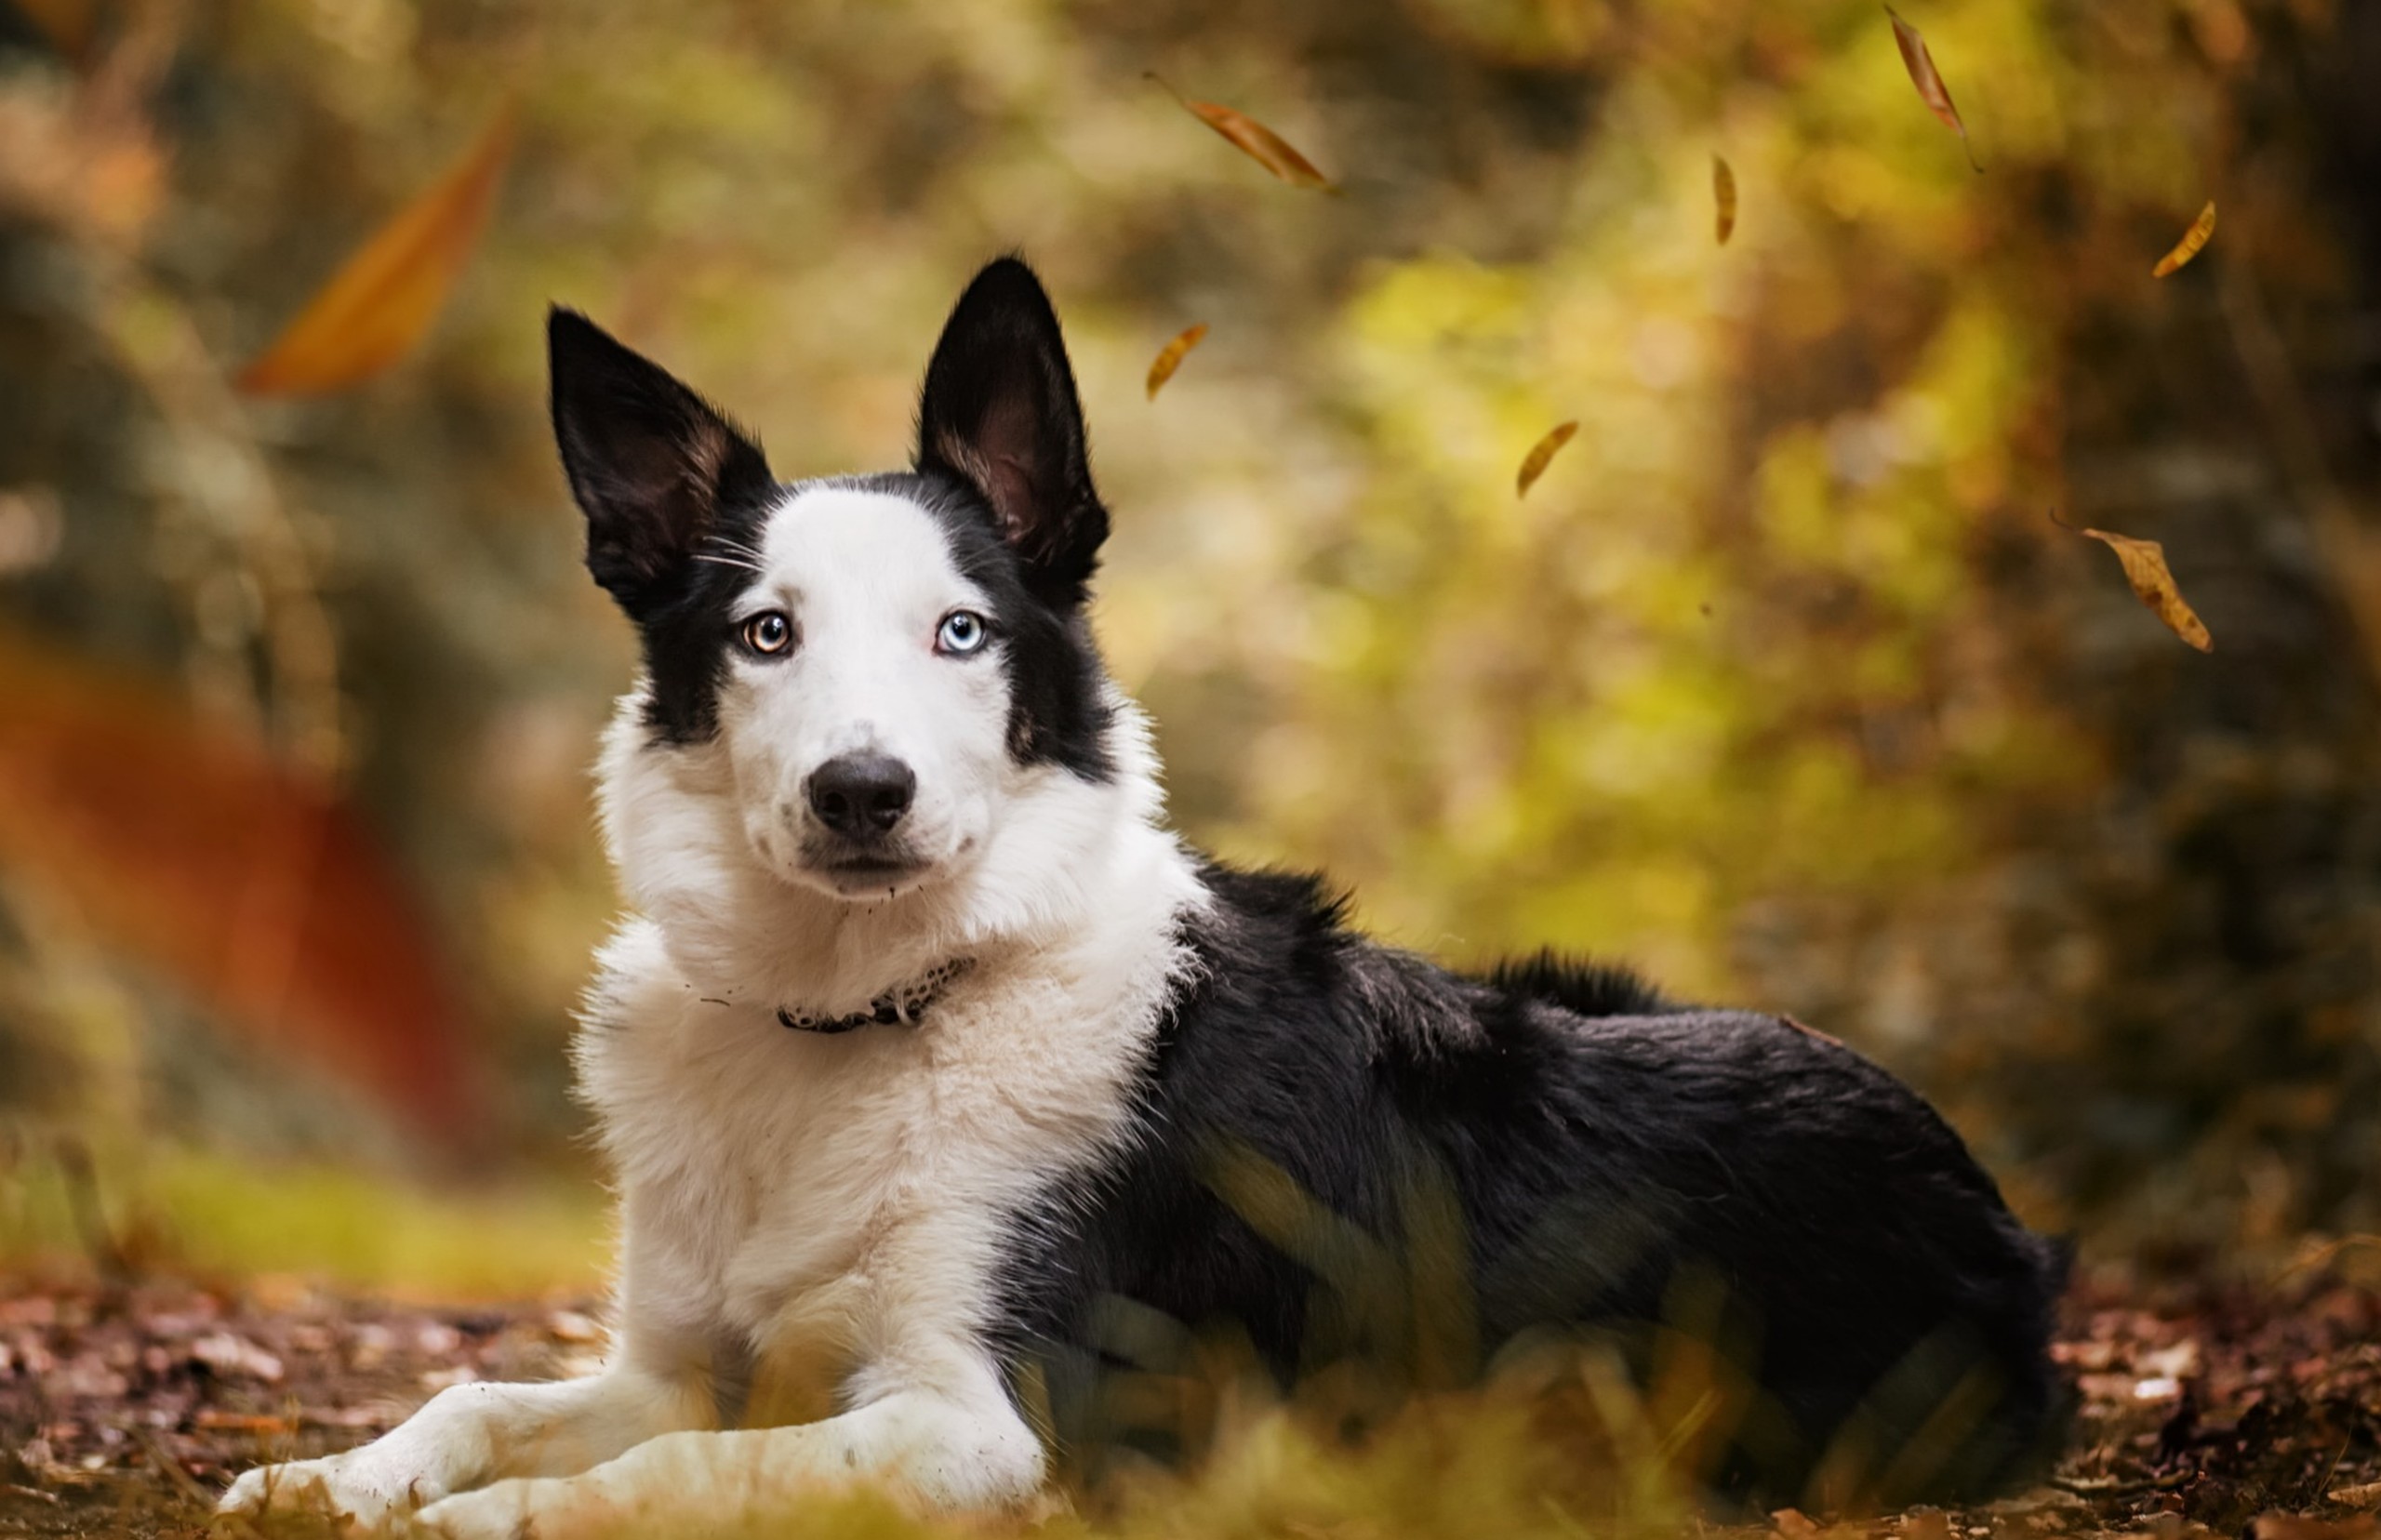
x,y
1778,682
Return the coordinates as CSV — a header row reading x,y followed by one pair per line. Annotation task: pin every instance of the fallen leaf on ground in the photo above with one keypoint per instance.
x,y
2290,1526
1260,143
1920,61
2145,568
380,303
1170,357
2194,241
1794,1524
1541,454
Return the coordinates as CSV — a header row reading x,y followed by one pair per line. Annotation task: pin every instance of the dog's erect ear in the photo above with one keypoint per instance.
x,y
651,463
999,411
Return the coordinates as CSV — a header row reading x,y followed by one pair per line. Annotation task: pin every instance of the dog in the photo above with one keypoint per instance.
x,y
927,1047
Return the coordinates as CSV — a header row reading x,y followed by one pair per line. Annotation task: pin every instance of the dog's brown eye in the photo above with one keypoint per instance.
x,y
769,631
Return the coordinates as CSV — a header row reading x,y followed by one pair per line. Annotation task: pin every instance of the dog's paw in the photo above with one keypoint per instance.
x,y
350,1490
548,1508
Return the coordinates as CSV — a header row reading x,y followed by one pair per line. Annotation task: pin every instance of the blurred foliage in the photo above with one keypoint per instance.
x,y
1780,681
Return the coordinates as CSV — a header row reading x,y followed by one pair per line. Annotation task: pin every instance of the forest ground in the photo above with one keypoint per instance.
x,y
2201,1409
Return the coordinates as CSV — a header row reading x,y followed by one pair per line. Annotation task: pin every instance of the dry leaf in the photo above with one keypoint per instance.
x,y
2365,1497
1794,1524
1724,196
380,302
1541,454
2145,568
67,24
1929,80
2290,1526
250,884
1260,143
2194,240
1170,357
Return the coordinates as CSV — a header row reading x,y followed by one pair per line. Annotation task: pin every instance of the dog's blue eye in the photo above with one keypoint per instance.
x,y
963,632
769,631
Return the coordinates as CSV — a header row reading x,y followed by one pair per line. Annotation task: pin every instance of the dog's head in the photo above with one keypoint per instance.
x,y
874,671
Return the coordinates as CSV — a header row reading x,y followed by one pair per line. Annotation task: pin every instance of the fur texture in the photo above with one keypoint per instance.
x,y
1163,1096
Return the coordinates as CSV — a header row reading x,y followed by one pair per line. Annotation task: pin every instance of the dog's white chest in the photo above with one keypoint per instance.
x,y
852,1188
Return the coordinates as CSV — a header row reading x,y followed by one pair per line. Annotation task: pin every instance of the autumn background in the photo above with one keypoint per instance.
x,y
1782,681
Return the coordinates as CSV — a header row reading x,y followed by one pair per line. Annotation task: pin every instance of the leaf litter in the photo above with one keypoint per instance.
x,y
2204,1410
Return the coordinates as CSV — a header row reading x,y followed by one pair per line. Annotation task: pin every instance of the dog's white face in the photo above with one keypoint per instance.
x,y
871,723
865,710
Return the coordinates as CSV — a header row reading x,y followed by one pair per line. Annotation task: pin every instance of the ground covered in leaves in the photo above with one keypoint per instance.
x,y
2207,1411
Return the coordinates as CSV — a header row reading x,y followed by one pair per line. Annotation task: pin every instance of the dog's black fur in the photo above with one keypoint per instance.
x,y
1604,1146
1320,1116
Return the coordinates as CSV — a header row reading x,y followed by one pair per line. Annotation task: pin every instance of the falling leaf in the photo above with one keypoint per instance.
x,y
378,305
2194,240
1929,80
66,23
1541,454
1260,143
251,884
1170,357
2145,568
1724,196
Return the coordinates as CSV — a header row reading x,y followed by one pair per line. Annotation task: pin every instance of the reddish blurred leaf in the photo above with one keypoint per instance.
x,y
2194,241
1724,197
67,24
378,305
254,887
1260,143
1916,58
2145,568
1170,357
1542,455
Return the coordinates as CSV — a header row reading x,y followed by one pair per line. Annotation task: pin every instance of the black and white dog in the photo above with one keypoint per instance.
x,y
927,1047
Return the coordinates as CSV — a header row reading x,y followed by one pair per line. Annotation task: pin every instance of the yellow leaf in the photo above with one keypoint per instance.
x,y
2145,568
1541,454
1170,357
2194,240
380,302
1723,196
1260,143
1920,61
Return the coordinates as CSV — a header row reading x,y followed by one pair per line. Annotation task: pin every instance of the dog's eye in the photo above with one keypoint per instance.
x,y
769,631
962,632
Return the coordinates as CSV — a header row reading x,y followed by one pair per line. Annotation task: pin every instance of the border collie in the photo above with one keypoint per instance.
x,y
927,1055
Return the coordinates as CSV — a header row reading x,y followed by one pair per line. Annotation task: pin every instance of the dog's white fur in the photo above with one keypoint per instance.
x,y
847,1192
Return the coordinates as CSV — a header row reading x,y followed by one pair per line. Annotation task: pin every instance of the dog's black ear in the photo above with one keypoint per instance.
x,y
999,411
651,463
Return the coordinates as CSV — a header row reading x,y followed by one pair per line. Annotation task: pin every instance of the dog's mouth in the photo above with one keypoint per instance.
x,y
868,873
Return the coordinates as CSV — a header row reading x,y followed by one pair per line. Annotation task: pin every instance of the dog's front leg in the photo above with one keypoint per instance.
x,y
943,1451
469,1434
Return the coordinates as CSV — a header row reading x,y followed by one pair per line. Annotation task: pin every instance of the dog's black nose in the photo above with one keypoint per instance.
x,y
861,794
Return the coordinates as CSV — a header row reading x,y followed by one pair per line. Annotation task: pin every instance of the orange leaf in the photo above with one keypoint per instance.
x,y
2194,241
1260,143
1541,454
67,24
250,884
1724,196
1929,80
1170,357
2145,568
380,302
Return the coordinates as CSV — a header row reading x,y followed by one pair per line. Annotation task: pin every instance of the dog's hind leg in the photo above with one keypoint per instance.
x,y
470,1434
962,1446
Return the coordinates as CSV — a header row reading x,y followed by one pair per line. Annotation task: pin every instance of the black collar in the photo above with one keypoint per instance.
x,y
904,1004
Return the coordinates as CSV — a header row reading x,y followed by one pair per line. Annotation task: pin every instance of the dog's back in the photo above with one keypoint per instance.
x,y
1329,1130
